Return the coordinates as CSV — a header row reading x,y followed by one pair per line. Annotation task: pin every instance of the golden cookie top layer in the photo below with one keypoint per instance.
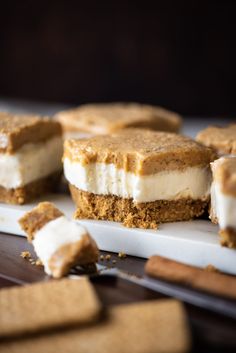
x,y
140,151
15,131
35,219
224,173
111,117
222,139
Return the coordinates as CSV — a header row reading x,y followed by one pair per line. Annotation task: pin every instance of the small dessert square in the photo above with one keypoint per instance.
x,y
138,177
58,242
221,139
107,118
223,199
30,157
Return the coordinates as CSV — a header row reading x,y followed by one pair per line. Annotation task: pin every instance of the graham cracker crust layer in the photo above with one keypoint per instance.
x,y
82,252
35,219
30,191
228,237
131,214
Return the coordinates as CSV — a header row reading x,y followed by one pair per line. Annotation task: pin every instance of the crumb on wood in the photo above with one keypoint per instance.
x,y
114,261
25,254
38,262
211,268
101,257
108,257
121,255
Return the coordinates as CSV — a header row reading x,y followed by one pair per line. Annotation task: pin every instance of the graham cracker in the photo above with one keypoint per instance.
x,y
17,130
148,327
82,252
131,214
110,117
228,237
213,282
35,219
139,151
45,305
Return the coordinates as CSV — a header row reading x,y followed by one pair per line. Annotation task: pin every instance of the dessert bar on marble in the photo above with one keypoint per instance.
x,y
221,139
96,119
30,157
138,177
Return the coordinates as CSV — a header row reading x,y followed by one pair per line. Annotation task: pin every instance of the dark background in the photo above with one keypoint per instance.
x,y
179,54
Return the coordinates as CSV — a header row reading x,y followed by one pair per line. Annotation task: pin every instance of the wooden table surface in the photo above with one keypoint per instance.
x,y
210,332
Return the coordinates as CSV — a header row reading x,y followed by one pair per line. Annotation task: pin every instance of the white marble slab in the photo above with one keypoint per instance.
x,y
195,243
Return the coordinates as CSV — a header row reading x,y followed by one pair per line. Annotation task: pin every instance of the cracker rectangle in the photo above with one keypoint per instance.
x,y
149,327
46,305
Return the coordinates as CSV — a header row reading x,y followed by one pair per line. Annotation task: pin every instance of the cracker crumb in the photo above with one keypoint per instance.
x,y
114,261
108,257
121,255
101,257
25,254
33,262
211,268
38,262
21,200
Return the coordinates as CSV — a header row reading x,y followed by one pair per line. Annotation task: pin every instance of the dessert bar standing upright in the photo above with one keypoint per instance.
x,y
138,177
30,157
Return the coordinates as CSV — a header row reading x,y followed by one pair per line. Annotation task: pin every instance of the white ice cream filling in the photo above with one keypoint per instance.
x,y
106,179
3,140
53,235
223,207
31,162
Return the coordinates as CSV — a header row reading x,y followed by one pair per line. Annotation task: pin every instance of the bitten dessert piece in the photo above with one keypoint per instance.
x,y
138,177
223,199
221,139
59,243
107,118
30,157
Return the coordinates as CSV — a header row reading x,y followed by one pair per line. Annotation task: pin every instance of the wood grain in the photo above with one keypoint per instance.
x,y
210,331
